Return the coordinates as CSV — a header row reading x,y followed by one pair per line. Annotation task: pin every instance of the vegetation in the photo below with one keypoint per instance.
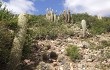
x,y
39,29
73,52
94,25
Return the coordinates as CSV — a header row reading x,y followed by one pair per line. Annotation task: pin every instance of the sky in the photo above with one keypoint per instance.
x,y
92,7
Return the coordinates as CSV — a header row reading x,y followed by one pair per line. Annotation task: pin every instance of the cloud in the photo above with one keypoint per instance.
x,y
20,6
92,7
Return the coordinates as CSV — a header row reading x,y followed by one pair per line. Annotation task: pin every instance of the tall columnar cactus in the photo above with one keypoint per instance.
x,y
47,12
55,16
83,23
52,15
18,42
99,17
58,18
69,16
65,15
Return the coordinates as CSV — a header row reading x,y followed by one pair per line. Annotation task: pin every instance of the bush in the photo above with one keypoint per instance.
x,y
73,52
105,43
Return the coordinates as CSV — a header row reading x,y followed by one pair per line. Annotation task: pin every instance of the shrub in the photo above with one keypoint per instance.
x,y
105,43
98,27
73,52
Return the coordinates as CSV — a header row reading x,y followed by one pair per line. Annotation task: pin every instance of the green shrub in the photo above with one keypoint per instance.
x,y
105,43
98,27
73,52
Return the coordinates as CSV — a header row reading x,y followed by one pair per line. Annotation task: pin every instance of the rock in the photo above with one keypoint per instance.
x,y
69,39
55,64
67,66
47,46
60,58
108,60
45,56
27,61
60,68
71,66
89,60
53,55
62,51
85,44
44,66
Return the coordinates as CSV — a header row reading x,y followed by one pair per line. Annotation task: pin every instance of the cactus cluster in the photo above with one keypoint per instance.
x,y
99,17
67,16
51,15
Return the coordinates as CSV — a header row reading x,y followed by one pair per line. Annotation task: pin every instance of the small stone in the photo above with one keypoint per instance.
x,y
85,44
60,58
55,64
89,60
26,60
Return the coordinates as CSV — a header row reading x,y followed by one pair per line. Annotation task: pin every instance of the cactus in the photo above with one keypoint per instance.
x,y
47,11
52,15
18,42
65,16
99,17
58,18
83,23
55,16
69,16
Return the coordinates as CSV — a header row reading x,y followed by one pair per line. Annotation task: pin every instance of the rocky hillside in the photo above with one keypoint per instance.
x,y
53,55
55,42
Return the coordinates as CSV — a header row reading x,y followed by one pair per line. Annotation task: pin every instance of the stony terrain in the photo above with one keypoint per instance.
x,y
54,56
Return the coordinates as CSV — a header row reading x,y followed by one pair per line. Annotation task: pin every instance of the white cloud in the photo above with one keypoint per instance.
x,y
93,7
20,6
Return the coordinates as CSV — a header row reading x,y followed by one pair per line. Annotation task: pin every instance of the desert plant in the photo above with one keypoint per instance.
x,y
83,23
69,16
18,42
73,52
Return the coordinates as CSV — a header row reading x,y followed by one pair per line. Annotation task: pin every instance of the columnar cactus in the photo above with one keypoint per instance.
x,y
83,23
18,42
99,17
58,18
55,16
65,16
69,16
47,12
52,15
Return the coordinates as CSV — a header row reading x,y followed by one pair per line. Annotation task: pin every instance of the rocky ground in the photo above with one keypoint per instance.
x,y
51,54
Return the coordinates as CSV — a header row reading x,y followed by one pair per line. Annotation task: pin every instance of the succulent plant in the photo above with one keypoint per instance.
x,y
69,16
83,23
18,42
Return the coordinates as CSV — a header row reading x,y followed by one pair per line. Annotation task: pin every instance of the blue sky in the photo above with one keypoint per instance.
x,y
42,5
39,6
92,7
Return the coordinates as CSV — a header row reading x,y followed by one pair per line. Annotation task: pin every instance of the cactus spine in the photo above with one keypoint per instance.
x,y
18,42
83,23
